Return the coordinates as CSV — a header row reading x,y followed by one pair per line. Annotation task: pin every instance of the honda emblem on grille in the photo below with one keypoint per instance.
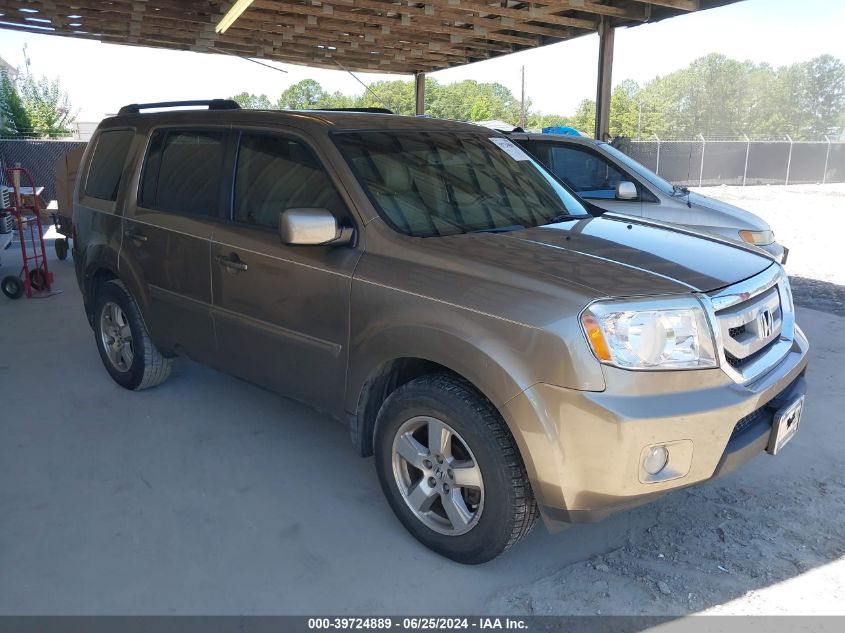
x,y
765,324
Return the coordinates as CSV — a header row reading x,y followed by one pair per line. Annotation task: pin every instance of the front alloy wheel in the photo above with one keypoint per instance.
x,y
438,476
451,470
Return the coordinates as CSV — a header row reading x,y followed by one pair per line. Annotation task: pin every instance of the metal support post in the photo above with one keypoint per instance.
x,y
788,160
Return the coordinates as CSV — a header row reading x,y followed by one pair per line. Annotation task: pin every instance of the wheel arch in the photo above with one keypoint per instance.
x,y
102,270
379,368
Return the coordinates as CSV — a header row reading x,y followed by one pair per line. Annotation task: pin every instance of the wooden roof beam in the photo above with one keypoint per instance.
x,y
371,35
518,15
683,5
341,12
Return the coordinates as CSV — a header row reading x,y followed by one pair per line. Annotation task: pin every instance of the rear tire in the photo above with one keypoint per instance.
x,y
476,468
61,248
12,287
125,346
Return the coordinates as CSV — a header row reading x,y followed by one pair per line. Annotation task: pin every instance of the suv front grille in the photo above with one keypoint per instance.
x,y
747,422
754,319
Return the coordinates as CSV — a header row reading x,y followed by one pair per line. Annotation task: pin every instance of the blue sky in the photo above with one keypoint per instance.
x,y
101,77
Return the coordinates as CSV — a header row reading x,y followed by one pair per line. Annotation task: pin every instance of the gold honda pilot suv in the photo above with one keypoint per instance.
x,y
502,348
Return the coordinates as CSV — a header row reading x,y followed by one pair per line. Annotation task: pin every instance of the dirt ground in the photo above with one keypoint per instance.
x,y
208,495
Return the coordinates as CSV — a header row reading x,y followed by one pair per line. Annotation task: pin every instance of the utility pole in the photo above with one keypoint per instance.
x,y
25,59
639,115
522,102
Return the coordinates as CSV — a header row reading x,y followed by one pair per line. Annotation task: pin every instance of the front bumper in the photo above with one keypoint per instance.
x,y
778,251
583,450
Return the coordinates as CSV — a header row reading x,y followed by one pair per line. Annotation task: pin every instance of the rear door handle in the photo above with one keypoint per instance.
x,y
232,262
133,235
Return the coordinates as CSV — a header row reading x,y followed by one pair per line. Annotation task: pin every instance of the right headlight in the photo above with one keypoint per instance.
x,y
650,334
758,238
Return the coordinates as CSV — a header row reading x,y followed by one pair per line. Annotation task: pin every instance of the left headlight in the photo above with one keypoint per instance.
x,y
653,334
758,238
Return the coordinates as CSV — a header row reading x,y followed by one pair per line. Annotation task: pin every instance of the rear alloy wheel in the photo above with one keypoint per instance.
x,y
451,470
116,336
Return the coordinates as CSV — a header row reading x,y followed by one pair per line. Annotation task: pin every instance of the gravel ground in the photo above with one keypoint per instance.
x,y
810,221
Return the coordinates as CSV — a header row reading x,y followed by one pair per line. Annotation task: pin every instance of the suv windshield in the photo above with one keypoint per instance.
x,y
442,183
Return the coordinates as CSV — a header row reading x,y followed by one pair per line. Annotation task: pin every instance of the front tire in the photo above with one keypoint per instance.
x,y
125,347
451,471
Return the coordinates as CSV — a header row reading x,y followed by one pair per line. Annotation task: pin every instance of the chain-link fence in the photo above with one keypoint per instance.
x,y
702,162
39,157
690,162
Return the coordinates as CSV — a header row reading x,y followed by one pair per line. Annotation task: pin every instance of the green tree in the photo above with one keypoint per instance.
x,y
250,101
585,117
396,95
48,106
537,120
470,100
303,95
14,119
336,100
625,109
823,95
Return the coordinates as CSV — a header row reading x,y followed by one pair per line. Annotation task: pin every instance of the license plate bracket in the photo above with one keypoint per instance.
x,y
785,425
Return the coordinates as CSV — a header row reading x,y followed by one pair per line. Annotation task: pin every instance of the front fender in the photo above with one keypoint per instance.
x,y
483,366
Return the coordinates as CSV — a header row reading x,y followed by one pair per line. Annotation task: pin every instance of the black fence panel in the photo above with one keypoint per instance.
x,y
740,162
807,164
645,152
836,163
680,162
39,157
767,163
724,163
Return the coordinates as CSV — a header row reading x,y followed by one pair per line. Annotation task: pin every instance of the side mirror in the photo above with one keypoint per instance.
x,y
312,227
626,190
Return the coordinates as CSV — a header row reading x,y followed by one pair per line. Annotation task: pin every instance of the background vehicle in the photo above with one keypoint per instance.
x,y
499,350
612,180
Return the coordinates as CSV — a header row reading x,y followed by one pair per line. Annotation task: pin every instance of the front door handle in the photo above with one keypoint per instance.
x,y
133,235
232,262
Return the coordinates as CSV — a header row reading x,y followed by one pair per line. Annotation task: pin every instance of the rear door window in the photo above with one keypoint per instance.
x,y
183,172
107,164
275,173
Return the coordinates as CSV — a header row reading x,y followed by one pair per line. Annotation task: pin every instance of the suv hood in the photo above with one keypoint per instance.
x,y
725,214
617,256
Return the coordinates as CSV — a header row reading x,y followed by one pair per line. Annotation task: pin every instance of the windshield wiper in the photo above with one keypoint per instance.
x,y
499,229
563,217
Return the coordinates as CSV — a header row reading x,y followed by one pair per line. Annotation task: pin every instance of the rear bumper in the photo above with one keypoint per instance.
x,y
584,450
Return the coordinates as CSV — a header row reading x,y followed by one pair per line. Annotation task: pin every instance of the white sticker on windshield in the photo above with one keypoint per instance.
x,y
510,148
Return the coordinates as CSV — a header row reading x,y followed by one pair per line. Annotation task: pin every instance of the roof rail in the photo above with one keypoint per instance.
x,y
212,104
370,110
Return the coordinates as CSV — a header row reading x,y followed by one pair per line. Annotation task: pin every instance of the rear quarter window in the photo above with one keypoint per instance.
x,y
107,161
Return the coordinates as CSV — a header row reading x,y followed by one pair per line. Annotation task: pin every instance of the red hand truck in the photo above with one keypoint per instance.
x,y
34,279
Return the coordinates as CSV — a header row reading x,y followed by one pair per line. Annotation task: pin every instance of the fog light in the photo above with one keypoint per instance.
x,y
656,460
